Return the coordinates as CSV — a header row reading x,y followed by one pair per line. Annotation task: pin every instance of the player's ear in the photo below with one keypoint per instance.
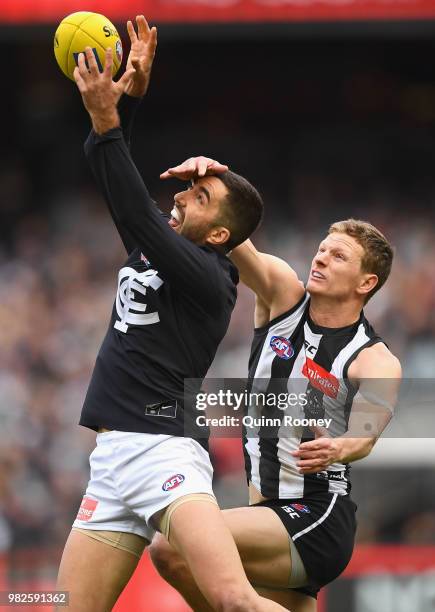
x,y
218,235
368,282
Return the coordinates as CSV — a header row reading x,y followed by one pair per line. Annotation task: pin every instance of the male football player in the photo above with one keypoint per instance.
x,y
298,533
176,292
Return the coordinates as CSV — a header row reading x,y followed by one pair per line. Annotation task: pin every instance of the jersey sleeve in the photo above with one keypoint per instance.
x,y
185,265
127,108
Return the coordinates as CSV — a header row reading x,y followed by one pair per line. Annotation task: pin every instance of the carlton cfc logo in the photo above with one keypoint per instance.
x,y
173,482
282,347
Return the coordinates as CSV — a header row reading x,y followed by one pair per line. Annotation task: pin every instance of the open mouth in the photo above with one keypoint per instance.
x,y
317,275
176,218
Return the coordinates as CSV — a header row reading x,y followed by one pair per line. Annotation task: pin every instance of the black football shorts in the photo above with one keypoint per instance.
x,y
322,528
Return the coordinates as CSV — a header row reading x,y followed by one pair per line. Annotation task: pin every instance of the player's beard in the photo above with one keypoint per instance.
x,y
195,233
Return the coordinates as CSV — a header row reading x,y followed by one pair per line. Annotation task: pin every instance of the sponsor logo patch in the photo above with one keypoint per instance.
x,y
291,512
337,476
282,347
301,508
320,378
87,508
173,482
164,409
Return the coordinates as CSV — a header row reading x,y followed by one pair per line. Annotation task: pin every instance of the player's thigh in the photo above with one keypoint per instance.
x,y
199,533
94,573
290,600
263,544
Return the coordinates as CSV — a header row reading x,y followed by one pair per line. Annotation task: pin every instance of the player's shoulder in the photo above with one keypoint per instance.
x,y
376,361
215,261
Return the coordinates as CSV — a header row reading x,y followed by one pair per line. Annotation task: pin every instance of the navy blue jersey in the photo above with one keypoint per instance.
x,y
173,305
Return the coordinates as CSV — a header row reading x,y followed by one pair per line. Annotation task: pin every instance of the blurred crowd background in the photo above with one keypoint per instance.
x,y
326,129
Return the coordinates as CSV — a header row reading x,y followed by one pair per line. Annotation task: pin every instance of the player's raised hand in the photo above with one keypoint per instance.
x,y
99,92
141,56
194,167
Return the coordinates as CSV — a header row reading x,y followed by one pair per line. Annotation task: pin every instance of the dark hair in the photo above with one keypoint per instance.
x,y
378,252
241,210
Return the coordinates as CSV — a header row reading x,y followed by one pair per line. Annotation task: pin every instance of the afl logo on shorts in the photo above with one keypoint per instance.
x,y
301,508
282,347
173,482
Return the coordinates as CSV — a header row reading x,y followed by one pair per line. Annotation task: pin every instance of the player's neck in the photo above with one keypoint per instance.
x,y
327,313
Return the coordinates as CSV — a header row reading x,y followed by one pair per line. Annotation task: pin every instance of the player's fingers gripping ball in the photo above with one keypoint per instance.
x,y
84,29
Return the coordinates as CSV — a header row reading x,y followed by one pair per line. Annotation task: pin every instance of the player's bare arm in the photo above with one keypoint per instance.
x,y
274,282
377,373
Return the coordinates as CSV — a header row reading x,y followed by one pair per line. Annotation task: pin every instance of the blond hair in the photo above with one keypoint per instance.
x,y
378,252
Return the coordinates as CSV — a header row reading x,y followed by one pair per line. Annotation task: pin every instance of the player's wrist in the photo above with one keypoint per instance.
x,y
137,88
341,450
135,92
103,122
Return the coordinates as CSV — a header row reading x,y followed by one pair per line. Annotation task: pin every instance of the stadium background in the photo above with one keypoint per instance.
x,y
329,118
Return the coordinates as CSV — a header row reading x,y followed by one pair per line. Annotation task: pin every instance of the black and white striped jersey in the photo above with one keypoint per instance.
x,y
293,353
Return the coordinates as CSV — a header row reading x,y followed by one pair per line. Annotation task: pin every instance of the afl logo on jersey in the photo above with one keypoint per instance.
x,y
173,482
282,347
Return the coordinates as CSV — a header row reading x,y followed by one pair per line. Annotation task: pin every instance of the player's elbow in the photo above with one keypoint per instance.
x,y
167,561
368,447
365,448
354,449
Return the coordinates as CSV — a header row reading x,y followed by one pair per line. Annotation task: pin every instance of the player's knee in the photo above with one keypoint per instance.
x,y
233,598
233,602
166,560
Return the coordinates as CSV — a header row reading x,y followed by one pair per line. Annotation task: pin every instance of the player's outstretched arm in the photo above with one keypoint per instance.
x,y
274,282
179,260
377,373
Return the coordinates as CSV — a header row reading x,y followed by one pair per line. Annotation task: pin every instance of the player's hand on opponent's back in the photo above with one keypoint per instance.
x,y
141,56
99,92
194,167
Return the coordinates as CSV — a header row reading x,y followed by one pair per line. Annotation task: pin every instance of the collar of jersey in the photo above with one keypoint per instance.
x,y
333,331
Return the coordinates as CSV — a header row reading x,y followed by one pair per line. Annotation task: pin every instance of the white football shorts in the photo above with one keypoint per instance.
x,y
135,475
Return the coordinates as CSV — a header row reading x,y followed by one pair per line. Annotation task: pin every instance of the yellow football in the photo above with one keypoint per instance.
x,y
84,29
